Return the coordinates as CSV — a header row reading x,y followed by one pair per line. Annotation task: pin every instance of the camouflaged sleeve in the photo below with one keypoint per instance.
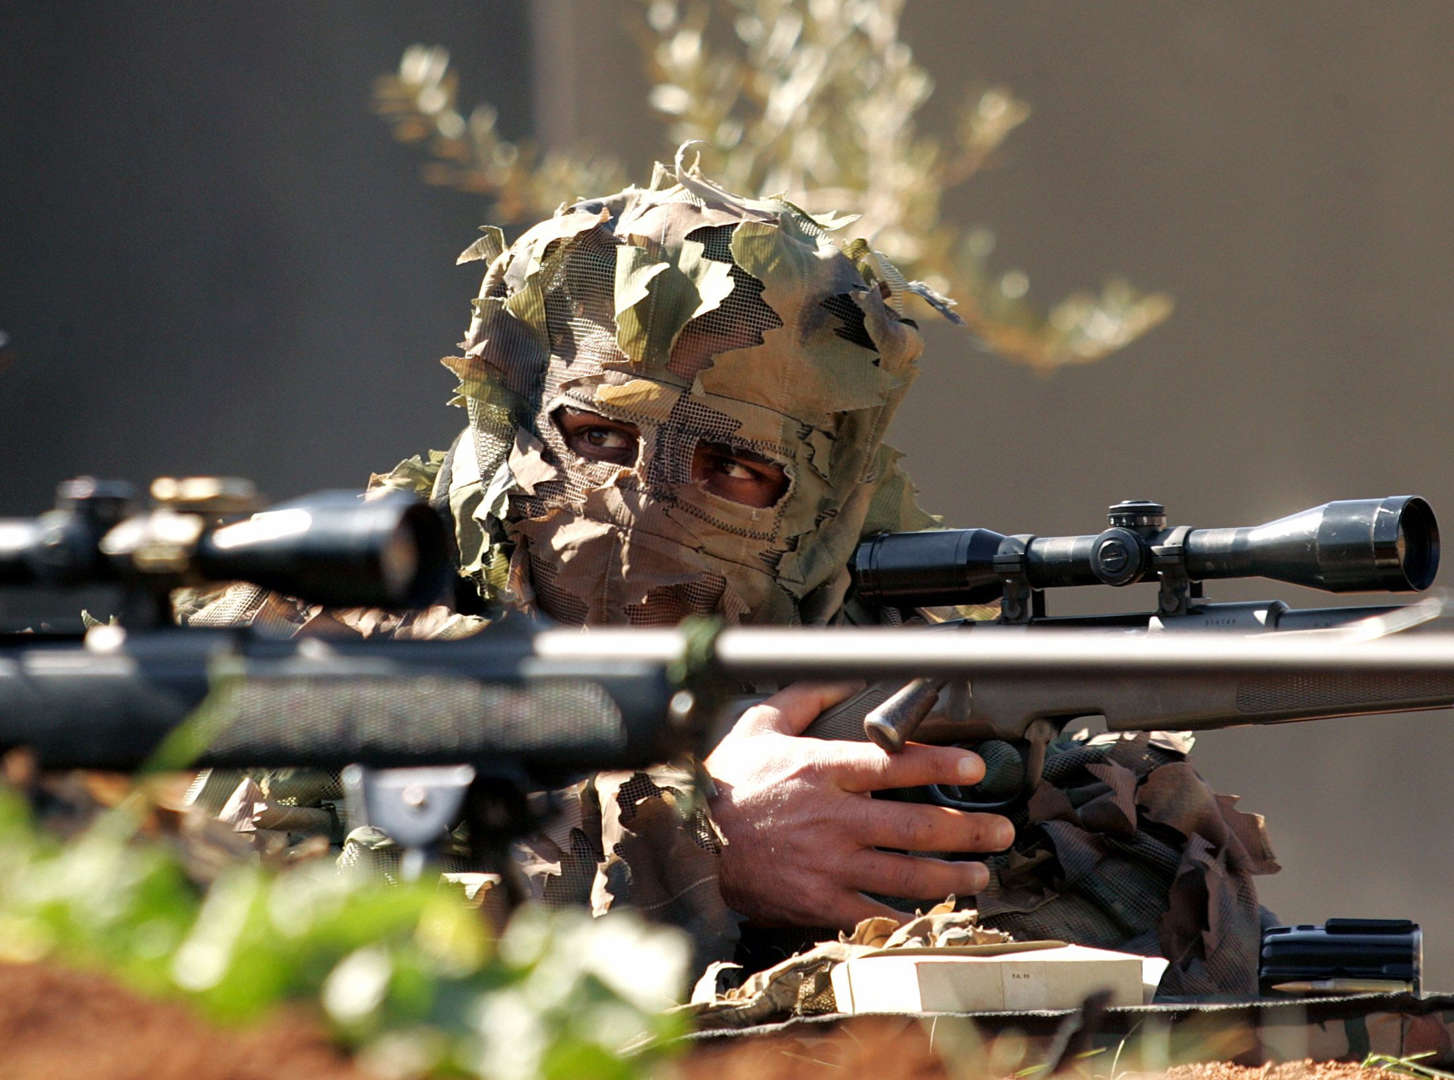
x,y
1124,846
638,840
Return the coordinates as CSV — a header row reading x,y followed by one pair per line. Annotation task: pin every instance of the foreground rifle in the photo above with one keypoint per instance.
x,y
424,732
538,705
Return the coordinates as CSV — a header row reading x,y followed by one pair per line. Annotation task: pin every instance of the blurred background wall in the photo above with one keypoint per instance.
x,y
214,259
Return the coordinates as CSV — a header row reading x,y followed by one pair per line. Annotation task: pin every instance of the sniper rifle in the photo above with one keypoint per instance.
x,y
1351,545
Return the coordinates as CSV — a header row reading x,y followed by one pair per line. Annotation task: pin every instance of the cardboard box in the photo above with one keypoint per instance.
x,y
1014,977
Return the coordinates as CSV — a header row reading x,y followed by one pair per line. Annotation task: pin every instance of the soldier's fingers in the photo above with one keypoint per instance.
x,y
915,877
864,767
793,708
917,827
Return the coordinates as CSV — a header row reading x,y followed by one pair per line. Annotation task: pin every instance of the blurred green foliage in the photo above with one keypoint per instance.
x,y
410,976
814,99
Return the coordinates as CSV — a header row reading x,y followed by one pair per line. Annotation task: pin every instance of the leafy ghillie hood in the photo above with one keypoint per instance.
x,y
694,315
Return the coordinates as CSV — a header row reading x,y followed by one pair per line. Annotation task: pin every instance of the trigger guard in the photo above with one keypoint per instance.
x,y
940,796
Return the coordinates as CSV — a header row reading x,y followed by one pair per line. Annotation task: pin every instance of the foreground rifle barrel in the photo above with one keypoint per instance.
x,y
564,701
1137,681
874,652
1025,686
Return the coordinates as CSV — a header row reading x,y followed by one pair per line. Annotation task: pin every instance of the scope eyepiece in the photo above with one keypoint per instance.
x,y
923,569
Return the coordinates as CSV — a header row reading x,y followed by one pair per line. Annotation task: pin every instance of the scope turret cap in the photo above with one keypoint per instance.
x,y
693,317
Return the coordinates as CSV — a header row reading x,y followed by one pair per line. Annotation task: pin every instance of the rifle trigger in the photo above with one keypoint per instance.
x,y
1038,736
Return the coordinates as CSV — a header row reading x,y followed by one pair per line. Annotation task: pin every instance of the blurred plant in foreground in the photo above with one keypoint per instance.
x,y
813,99
409,975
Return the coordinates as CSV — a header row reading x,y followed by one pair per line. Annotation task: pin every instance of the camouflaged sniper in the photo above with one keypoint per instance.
x,y
696,316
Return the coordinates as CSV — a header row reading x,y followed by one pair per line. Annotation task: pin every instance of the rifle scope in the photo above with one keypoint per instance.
x,y
336,549
331,548
1347,546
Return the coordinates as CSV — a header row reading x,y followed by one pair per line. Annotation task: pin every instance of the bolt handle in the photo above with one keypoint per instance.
x,y
893,723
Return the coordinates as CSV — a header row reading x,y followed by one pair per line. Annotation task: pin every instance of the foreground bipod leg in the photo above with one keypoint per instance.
x,y
415,806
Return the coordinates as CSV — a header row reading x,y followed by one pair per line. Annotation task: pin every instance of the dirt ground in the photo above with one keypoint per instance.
x,y
56,1024
889,1051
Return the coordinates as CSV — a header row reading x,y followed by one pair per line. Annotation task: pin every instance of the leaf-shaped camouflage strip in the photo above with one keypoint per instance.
x,y
637,265
478,383
655,298
894,507
937,300
820,451
472,540
716,197
832,220
528,464
641,396
899,344
488,247
805,360
877,272
497,490
859,467
414,474
534,250
527,304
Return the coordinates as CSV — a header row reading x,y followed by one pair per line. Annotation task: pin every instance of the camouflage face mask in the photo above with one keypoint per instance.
x,y
677,400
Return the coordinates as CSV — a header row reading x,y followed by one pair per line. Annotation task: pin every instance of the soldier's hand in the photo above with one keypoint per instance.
x,y
804,837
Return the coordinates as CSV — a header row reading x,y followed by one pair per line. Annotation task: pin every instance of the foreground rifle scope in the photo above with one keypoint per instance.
x,y
330,548
1354,545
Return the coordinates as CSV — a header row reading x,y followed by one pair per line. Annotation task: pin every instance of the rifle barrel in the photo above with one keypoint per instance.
x,y
768,653
567,701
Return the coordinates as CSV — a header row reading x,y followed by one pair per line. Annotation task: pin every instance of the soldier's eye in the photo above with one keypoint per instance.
x,y
730,467
598,438
738,475
605,438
